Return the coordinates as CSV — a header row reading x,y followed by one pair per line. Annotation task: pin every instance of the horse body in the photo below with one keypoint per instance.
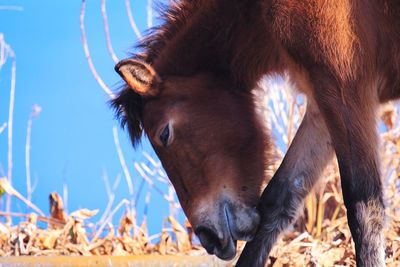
x,y
201,67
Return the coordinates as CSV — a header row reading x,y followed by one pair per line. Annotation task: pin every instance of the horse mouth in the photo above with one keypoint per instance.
x,y
236,226
228,252
222,247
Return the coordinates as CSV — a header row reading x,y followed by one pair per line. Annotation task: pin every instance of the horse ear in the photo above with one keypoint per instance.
x,y
141,77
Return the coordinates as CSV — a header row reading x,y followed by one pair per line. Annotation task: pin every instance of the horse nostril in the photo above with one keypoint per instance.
x,y
208,238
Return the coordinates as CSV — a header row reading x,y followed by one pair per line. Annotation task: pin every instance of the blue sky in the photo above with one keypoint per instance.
x,y
72,139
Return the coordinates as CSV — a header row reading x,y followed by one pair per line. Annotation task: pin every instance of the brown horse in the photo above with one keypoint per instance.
x,y
190,89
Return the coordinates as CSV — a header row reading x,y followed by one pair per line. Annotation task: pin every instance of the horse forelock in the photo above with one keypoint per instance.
x,y
128,107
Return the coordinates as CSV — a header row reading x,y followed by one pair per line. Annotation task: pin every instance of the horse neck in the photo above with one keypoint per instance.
x,y
229,39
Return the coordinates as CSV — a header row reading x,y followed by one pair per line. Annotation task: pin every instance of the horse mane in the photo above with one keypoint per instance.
x,y
173,19
128,105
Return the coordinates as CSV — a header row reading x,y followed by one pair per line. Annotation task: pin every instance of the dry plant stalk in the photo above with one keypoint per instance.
x,y
7,52
87,53
36,109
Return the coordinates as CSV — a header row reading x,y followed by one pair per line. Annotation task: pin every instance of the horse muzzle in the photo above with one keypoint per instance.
x,y
235,222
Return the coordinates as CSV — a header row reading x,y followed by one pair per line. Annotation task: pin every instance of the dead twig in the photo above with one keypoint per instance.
x,y
131,20
7,187
12,8
128,177
87,53
107,32
11,54
108,219
36,109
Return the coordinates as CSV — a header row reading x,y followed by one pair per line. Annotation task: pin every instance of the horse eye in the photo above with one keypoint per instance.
x,y
164,136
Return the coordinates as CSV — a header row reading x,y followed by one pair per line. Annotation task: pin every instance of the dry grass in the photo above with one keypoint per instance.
x,y
71,235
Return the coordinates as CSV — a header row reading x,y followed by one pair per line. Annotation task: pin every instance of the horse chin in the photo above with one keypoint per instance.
x,y
228,252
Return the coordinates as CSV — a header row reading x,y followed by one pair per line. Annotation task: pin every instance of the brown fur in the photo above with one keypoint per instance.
x,y
343,54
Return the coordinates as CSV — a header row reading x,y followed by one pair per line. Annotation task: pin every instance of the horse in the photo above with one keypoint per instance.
x,y
190,89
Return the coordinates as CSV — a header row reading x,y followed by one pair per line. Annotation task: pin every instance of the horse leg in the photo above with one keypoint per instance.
x,y
351,120
303,164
